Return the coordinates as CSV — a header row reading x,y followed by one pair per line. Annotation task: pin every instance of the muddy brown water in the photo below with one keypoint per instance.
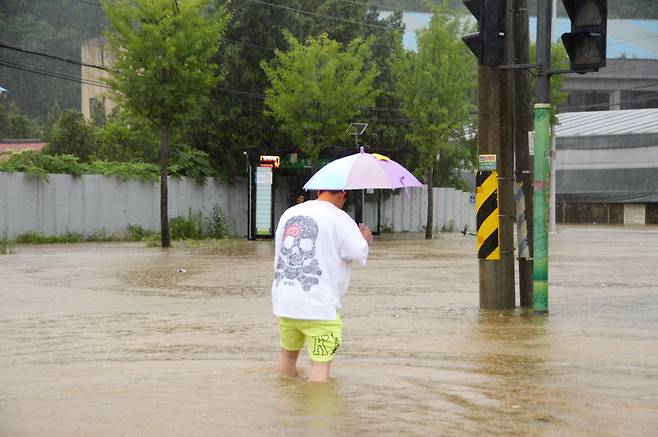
x,y
111,339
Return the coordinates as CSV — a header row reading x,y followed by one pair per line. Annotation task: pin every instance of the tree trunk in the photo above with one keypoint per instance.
x,y
164,199
430,205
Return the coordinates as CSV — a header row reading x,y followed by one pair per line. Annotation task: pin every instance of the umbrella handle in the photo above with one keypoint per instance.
x,y
406,189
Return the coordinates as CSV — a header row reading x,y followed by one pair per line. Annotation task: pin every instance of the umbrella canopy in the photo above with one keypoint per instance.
x,y
362,171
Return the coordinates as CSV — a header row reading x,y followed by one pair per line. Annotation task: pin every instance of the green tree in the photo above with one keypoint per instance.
x,y
15,124
70,134
387,127
318,88
127,138
234,121
435,88
163,70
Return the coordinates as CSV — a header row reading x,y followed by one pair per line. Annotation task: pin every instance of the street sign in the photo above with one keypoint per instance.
x,y
299,163
487,162
269,161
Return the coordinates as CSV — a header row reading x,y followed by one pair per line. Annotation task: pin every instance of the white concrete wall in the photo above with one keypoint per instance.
x,y
406,210
93,203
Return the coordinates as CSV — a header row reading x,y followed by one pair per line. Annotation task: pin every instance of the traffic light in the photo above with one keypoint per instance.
x,y
488,44
586,43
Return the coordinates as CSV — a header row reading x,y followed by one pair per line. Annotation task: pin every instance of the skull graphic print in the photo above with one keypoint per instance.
x,y
296,260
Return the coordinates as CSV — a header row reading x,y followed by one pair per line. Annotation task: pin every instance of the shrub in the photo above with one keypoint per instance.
x,y
217,223
125,170
190,228
127,138
450,227
36,237
71,134
138,233
190,162
39,164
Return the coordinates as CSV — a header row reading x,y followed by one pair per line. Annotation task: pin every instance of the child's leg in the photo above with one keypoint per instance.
x,y
287,364
323,339
319,371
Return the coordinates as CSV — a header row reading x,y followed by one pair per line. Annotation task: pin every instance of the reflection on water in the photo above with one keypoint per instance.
x,y
117,331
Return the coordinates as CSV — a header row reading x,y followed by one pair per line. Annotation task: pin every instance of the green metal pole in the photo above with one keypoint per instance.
x,y
541,168
540,202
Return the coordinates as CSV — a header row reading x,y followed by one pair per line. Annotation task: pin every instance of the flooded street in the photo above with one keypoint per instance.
x,y
112,339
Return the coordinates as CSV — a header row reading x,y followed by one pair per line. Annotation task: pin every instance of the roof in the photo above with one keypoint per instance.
x,y
602,123
608,156
626,38
21,145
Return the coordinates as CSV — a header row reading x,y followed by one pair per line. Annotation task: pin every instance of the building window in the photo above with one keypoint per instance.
x,y
639,99
579,101
97,110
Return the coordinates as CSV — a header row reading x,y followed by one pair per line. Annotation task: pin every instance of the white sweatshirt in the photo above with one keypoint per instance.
x,y
315,245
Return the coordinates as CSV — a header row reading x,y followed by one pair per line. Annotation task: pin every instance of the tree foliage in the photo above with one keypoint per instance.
x,y
435,86
14,123
125,137
163,69
70,134
317,89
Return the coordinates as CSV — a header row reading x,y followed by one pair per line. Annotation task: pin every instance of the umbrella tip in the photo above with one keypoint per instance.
x,y
361,149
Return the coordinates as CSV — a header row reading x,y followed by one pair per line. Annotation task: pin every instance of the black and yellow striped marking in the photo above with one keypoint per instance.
x,y
486,204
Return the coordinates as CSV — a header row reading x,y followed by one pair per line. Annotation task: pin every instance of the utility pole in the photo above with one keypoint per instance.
x,y
541,167
494,192
522,122
586,48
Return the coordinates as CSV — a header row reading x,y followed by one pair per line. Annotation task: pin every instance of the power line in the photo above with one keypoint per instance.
x,y
59,75
35,70
366,4
90,3
316,14
45,55
647,96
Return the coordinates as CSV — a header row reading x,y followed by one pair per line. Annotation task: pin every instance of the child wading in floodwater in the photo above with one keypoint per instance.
x,y
315,245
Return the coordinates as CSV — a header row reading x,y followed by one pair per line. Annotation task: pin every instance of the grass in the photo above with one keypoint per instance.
x,y
6,245
191,228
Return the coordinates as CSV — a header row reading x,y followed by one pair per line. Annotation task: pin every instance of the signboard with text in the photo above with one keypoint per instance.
x,y
487,162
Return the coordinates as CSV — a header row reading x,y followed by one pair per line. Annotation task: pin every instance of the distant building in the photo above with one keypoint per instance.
x,y
628,81
607,140
94,97
621,84
607,167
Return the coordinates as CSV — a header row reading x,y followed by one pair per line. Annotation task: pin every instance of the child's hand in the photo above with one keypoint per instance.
x,y
366,232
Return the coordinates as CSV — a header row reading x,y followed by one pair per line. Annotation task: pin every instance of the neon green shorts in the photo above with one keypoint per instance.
x,y
322,337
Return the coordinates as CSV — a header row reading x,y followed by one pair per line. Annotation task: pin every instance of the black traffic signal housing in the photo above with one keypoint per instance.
x,y
488,44
586,43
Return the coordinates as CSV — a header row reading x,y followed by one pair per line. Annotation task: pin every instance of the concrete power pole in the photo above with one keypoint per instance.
x,y
496,271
